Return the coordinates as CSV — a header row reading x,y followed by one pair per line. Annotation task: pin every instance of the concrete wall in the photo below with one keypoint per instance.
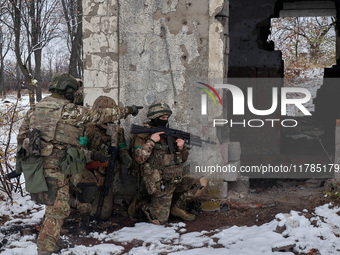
x,y
100,39
252,57
141,51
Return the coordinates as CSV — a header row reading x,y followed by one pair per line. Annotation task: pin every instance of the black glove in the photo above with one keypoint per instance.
x,y
133,110
21,152
12,175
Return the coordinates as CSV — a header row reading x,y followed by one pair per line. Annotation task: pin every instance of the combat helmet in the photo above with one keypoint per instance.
x,y
61,81
158,109
104,102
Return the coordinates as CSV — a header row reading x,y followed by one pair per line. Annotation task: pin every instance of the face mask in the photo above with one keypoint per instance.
x,y
69,94
158,122
162,123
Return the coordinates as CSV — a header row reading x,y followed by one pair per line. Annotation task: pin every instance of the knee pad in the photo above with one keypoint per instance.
x,y
86,192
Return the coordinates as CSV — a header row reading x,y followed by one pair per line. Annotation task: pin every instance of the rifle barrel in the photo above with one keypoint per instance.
x,y
186,136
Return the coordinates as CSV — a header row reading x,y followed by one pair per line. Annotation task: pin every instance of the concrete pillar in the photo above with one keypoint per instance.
x,y
100,40
143,51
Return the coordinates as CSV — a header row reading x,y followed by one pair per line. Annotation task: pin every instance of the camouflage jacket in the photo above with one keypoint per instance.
x,y
61,123
146,150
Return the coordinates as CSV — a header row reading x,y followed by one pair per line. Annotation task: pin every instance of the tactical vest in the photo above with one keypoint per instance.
x,y
97,137
56,131
169,164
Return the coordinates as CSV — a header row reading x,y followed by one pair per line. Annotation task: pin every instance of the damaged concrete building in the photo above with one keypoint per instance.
x,y
141,51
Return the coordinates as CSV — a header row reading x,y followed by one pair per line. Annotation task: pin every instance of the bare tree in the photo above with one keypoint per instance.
x,y
42,25
36,23
5,42
311,36
73,16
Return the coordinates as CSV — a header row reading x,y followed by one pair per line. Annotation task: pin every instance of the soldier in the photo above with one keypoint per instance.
x,y
93,177
49,151
162,171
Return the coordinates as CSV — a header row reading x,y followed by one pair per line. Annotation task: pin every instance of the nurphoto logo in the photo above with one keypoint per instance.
x,y
204,100
238,99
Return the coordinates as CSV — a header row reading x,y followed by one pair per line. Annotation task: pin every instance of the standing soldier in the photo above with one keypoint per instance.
x,y
99,140
49,152
162,171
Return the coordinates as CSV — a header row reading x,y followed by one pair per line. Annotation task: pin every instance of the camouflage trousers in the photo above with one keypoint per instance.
x,y
175,194
86,176
55,214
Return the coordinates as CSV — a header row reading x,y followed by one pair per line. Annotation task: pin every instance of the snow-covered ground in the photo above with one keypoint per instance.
x,y
321,232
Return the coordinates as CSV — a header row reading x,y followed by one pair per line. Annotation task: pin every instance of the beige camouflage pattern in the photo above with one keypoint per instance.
x,y
104,115
100,138
85,176
56,135
158,109
55,214
162,174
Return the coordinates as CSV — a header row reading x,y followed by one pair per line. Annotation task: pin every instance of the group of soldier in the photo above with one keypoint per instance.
x,y
69,154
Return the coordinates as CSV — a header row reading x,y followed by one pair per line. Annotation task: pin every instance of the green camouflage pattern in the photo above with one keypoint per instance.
x,y
100,138
85,176
60,123
152,179
61,81
54,214
160,206
175,194
47,197
158,109
46,116
163,176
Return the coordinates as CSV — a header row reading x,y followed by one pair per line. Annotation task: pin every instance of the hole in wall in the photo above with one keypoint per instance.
x,y
308,46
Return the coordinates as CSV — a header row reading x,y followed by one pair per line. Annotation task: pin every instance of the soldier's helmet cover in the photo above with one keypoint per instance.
x,y
158,109
104,102
61,81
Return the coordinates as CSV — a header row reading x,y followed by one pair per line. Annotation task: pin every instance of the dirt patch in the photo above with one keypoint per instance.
x,y
266,199
260,205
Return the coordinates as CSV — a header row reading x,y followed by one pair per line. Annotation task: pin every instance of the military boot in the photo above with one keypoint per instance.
x,y
147,213
133,208
180,213
83,227
60,244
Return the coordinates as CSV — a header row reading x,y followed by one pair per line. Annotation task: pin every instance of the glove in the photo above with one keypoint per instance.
x,y
133,110
21,152
12,175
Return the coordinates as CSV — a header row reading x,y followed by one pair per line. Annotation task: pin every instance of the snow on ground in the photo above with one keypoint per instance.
x,y
319,232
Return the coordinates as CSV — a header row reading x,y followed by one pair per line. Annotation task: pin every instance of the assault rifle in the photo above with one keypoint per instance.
x,y
112,130
170,133
104,190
